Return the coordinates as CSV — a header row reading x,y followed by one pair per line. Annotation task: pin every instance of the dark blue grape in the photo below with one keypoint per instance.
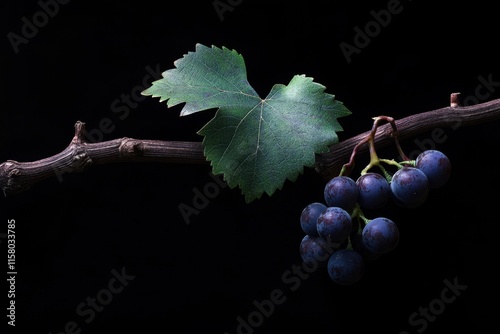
x,y
435,165
380,235
374,191
334,224
342,192
359,246
409,187
346,266
309,217
315,250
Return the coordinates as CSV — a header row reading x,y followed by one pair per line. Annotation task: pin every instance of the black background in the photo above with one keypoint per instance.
x,y
200,277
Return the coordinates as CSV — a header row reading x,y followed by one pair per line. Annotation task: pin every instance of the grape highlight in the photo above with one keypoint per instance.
x,y
410,187
436,166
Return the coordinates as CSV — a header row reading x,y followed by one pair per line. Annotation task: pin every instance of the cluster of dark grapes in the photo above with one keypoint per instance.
x,y
340,237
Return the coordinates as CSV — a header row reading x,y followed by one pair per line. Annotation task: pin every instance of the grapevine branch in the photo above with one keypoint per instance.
x,y
455,116
79,155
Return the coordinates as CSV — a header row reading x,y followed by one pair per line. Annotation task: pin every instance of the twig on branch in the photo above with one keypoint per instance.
x,y
16,176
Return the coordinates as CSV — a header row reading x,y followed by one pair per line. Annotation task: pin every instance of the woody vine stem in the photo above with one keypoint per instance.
x,y
78,156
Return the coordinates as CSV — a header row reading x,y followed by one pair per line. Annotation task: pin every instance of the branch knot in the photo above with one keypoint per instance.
x,y
9,173
130,148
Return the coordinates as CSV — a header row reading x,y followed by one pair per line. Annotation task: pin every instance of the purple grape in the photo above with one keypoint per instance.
x,y
409,187
374,191
346,266
315,250
359,246
334,224
342,192
435,165
380,235
309,217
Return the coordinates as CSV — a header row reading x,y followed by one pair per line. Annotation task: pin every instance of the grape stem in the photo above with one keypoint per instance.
x,y
454,116
374,159
358,214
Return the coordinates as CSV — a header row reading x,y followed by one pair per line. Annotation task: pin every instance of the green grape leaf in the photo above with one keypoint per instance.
x,y
257,144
